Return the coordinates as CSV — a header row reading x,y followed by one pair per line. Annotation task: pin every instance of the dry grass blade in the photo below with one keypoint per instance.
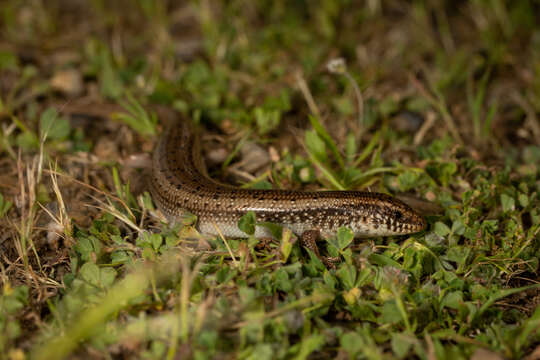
x,y
439,104
531,120
304,89
226,244
95,189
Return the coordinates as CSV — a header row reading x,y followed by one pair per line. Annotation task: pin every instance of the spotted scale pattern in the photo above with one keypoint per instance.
x,y
179,183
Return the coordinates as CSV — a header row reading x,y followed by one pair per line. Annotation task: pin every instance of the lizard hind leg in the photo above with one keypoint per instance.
x,y
308,239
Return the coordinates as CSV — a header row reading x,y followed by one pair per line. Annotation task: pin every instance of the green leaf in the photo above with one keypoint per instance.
x,y
316,146
523,200
27,140
120,257
53,127
156,240
309,344
368,149
282,281
479,292
315,264
266,119
90,273
344,236
408,180
261,185
88,247
286,244
323,134
383,260
148,254
353,343
107,276
316,149
330,280
137,117
458,227
208,339
275,229
247,223
347,274
503,293
109,80
390,313
441,229
401,344
5,205
246,295
508,203
452,300
446,172
459,254
413,260
13,299
225,274
442,171
530,326
350,147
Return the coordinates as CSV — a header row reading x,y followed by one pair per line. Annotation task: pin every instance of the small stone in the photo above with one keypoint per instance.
x,y
484,354
408,121
274,154
54,230
68,81
216,156
140,161
254,157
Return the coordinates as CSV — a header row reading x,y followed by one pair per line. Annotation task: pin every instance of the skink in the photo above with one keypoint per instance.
x,y
179,183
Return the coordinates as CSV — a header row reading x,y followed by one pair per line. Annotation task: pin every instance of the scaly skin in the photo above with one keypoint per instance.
x,y
179,183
